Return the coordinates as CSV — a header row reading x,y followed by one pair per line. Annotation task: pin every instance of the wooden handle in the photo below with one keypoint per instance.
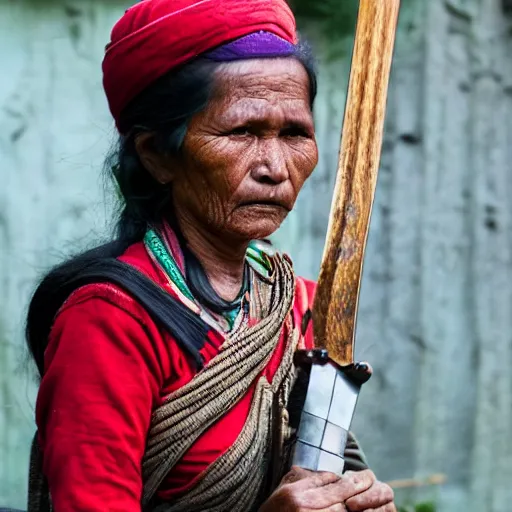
x,y
335,307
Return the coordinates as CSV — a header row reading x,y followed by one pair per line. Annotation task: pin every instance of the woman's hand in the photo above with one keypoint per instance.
x,y
305,491
379,497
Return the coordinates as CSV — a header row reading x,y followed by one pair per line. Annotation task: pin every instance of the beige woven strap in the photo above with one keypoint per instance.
x,y
192,409
236,479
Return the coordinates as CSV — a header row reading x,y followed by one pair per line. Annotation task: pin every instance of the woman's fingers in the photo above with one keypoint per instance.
x,y
308,479
379,497
330,494
306,491
335,508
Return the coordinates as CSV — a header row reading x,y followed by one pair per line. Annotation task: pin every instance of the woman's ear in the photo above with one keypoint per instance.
x,y
157,164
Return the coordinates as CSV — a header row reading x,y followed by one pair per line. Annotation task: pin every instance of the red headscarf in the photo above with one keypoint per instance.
x,y
155,36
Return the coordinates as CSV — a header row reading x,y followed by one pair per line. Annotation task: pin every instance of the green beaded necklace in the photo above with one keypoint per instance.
x,y
256,257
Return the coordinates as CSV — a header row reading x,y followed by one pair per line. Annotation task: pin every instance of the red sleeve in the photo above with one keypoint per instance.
x,y
304,296
102,378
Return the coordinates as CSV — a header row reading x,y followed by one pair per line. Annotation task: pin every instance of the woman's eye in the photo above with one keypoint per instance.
x,y
294,131
240,130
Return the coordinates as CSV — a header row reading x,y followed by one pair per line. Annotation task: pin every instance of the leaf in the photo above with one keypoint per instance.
x,y
420,507
426,507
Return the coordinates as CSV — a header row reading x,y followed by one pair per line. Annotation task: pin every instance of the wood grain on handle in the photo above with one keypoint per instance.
x,y
336,301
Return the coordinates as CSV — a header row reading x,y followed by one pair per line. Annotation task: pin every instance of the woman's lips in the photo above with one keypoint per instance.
x,y
265,203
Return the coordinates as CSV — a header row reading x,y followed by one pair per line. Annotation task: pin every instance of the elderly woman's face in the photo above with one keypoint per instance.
x,y
246,157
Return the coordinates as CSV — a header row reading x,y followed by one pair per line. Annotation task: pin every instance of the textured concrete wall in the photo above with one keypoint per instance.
x,y
55,131
435,314
435,317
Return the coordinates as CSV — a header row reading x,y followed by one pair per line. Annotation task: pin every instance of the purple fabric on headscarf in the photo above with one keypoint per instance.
x,y
257,45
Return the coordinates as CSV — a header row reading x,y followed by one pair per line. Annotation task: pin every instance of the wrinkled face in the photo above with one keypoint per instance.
x,y
246,157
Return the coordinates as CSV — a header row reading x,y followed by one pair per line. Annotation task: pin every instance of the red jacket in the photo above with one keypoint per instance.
x,y
107,367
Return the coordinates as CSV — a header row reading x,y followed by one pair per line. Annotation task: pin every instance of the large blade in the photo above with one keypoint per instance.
x,y
326,417
335,306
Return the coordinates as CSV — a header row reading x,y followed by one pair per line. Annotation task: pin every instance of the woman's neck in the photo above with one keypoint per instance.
x,y
223,261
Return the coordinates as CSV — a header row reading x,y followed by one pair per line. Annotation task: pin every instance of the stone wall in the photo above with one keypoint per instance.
x,y
435,315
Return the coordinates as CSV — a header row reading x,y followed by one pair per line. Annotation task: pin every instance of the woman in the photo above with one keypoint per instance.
x,y
166,356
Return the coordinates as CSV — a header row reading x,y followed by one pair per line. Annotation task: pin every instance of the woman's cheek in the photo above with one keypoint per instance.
x,y
231,167
309,151
305,158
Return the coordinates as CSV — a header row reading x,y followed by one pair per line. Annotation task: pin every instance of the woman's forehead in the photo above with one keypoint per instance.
x,y
275,109
260,78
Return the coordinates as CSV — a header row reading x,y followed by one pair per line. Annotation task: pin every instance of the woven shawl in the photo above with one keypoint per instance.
x,y
237,479
252,465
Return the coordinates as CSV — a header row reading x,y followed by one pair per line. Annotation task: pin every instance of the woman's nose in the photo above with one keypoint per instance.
x,y
271,169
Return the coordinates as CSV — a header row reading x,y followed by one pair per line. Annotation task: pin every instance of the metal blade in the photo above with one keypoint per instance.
x,y
328,411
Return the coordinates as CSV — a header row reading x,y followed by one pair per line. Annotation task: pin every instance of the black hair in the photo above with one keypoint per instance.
x,y
164,109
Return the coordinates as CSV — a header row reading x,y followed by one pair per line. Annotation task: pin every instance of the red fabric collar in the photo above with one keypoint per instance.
x,y
156,36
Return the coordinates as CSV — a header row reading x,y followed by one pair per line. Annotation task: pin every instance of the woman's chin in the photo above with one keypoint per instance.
x,y
263,219
256,229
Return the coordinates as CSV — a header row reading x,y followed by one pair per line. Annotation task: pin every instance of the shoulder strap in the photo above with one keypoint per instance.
x,y
186,327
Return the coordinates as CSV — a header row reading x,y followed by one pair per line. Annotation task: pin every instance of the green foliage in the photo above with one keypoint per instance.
x,y
420,507
335,18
